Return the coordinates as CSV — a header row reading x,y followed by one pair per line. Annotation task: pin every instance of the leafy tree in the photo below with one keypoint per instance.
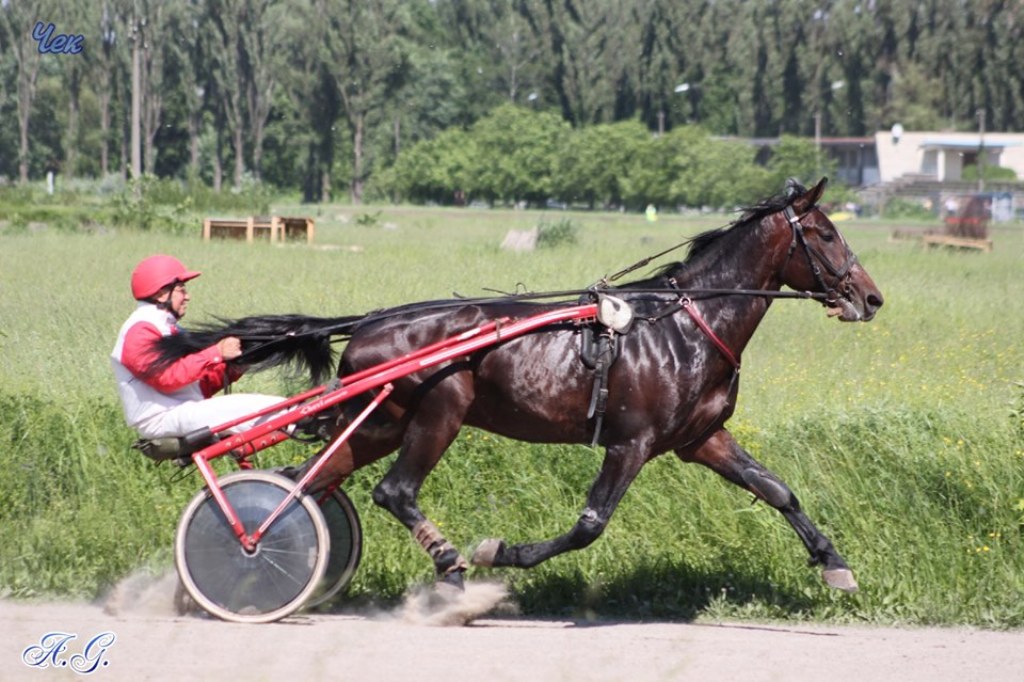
x,y
796,157
262,42
592,45
247,67
512,50
430,99
916,99
336,90
591,162
73,73
437,169
368,61
648,176
17,20
515,152
147,24
489,42
715,173
108,76
301,131
668,58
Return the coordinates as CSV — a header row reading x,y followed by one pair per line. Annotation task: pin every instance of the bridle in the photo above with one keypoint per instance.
x,y
816,259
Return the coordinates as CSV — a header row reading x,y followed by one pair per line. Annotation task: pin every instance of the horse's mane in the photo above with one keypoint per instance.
x,y
705,241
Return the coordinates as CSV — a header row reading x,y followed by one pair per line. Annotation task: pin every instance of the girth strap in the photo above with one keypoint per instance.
x,y
604,354
599,348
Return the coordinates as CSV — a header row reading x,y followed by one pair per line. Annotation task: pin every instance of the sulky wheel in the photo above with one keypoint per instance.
x,y
264,584
346,545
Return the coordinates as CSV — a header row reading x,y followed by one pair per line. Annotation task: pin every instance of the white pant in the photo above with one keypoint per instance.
x,y
190,416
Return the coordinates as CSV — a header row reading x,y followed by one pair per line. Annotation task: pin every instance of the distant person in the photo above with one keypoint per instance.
x,y
652,213
177,399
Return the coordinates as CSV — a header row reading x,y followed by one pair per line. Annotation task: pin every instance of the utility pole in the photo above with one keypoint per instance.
x,y
136,38
834,87
981,150
817,143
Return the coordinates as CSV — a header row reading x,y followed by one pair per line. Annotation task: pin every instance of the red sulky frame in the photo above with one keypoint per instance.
x,y
323,397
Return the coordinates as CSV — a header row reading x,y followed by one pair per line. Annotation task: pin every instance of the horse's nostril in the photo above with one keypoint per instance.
x,y
875,301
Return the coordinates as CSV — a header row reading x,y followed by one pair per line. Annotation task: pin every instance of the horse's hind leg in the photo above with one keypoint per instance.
x,y
431,429
723,454
620,467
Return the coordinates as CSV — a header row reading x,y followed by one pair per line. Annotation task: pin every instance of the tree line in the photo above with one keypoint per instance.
x,y
430,99
514,155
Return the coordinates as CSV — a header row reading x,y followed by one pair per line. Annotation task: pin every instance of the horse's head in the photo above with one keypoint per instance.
x,y
819,260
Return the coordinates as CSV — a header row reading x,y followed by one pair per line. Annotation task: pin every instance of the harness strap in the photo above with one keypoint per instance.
x,y
695,315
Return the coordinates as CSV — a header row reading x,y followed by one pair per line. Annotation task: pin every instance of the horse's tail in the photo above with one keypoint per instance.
x,y
267,341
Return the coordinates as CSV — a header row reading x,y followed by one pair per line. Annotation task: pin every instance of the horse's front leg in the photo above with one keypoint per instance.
x,y
620,467
722,454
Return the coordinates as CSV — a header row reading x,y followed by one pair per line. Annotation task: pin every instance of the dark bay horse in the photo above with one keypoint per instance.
x,y
672,388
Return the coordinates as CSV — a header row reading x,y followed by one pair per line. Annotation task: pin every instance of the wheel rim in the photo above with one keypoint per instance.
x,y
262,585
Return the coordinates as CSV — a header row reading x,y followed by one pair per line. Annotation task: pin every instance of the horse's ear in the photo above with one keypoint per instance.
x,y
805,201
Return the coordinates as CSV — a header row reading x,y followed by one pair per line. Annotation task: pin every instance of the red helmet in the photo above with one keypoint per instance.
x,y
154,273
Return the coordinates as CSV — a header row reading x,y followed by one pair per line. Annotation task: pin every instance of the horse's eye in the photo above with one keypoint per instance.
x,y
828,236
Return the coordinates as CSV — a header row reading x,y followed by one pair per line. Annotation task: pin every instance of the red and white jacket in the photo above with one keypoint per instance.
x,y
146,394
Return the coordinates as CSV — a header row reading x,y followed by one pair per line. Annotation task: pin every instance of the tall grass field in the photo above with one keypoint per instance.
x,y
903,438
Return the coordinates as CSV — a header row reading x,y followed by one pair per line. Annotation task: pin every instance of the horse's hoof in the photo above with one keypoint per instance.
x,y
451,581
486,553
840,578
183,603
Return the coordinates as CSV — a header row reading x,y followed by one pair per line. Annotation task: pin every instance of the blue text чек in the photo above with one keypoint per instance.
x,y
56,44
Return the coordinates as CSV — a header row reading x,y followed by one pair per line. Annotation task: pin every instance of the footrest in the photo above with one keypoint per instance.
x,y
160,449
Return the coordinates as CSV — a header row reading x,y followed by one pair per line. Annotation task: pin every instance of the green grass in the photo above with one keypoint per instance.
x,y
903,437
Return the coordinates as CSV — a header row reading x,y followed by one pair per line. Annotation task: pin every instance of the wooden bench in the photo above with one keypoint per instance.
x,y
957,242
275,228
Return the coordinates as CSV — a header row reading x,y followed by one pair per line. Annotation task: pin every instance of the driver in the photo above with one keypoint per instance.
x,y
177,399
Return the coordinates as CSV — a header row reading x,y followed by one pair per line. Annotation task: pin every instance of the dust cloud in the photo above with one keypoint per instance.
x,y
145,593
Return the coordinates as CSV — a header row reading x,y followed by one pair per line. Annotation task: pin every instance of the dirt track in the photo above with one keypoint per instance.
x,y
153,644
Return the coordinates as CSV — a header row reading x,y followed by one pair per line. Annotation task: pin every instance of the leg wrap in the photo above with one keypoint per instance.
x,y
446,558
769,489
587,529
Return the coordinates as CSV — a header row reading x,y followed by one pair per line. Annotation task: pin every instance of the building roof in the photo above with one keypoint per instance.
x,y
847,141
961,143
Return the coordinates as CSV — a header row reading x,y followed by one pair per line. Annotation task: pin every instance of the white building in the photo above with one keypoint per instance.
x,y
941,157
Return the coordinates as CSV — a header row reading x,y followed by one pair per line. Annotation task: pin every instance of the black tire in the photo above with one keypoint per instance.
x,y
346,546
264,585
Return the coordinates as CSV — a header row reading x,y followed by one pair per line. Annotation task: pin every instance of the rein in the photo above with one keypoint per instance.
x,y
684,301
346,328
